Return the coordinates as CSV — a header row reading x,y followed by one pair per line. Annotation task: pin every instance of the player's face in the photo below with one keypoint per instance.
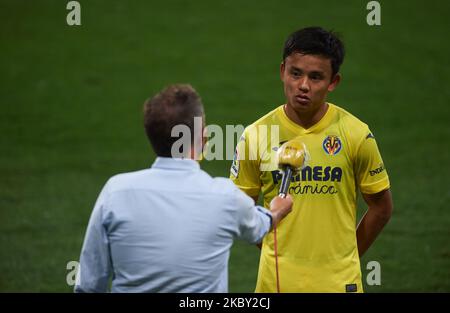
x,y
307,80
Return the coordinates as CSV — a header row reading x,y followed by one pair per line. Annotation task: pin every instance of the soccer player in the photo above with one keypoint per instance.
x,y
319,245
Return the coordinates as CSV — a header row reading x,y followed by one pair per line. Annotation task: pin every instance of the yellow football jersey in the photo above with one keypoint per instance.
x,y
317,246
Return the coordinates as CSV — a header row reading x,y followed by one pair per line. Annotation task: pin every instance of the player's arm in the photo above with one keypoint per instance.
x,y
378,214
374,184
245,171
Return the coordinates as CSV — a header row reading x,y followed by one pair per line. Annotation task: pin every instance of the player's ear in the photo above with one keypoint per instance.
x,y
282,66
334,82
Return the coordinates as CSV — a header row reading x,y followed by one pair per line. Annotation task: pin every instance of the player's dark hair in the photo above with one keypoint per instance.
x,y
316,41
175,105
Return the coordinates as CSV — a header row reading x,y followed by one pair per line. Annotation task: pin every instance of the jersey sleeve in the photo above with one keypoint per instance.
x,y
245,172
371,174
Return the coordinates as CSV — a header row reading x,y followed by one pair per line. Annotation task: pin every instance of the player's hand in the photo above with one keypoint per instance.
x,y
280,207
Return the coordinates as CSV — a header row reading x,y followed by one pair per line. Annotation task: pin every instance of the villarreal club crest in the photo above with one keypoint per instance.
x,y
332,145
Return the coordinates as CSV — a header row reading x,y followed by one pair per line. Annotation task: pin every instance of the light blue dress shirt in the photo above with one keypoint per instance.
x,y
166,229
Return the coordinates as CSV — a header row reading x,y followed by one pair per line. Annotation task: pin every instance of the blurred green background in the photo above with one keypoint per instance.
x,y
71,102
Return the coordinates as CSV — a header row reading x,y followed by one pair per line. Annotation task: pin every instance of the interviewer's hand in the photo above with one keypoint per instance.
x,y
280,207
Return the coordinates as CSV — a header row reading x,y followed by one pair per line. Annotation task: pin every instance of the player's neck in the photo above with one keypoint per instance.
x,y
306,119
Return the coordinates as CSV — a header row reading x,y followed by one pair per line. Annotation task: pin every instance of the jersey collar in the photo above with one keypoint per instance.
x,y
320,125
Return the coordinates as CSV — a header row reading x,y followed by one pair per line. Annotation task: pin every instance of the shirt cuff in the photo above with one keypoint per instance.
x,y
267,213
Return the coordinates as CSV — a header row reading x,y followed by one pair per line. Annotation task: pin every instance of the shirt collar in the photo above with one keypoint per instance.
x,y
319,126
175,164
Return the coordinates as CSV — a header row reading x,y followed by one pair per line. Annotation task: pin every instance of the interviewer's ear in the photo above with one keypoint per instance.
x,y
334,82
